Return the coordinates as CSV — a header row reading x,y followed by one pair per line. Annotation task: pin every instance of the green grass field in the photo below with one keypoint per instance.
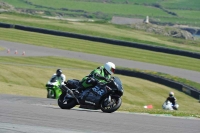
x,y
181,4
96,48
193,14
105,10
27,77
92,7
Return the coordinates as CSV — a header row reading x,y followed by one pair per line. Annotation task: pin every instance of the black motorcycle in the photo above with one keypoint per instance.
x,y
104,96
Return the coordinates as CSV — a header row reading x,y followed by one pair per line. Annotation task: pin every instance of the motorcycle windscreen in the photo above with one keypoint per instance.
x,y
116,85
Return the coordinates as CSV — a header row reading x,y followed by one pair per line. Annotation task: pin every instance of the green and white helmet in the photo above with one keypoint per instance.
x,y
110,67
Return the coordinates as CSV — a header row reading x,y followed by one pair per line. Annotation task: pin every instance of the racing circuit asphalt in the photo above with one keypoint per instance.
x,y
41,115
19,114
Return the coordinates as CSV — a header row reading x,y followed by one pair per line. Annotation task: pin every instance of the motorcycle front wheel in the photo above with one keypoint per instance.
x,y
65,102
112,106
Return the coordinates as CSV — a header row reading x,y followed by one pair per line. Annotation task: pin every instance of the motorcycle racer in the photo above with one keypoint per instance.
x,y
102,74
54,85
58,76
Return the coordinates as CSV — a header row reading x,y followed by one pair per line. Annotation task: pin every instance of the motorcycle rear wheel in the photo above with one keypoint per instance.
x,y
68,103
116,103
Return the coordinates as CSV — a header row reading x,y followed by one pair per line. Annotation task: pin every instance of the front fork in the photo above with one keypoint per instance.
x,y
107,101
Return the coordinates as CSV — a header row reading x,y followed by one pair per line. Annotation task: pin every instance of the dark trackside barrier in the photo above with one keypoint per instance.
x,y
4,25
167,82
111,41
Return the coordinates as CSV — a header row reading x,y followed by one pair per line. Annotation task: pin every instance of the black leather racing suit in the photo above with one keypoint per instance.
x,y
172,99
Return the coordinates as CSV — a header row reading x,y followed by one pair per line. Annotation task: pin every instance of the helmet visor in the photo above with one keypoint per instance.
x,y
58,73
112,70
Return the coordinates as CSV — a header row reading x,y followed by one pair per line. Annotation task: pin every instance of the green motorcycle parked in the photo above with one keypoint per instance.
x,y
53,89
